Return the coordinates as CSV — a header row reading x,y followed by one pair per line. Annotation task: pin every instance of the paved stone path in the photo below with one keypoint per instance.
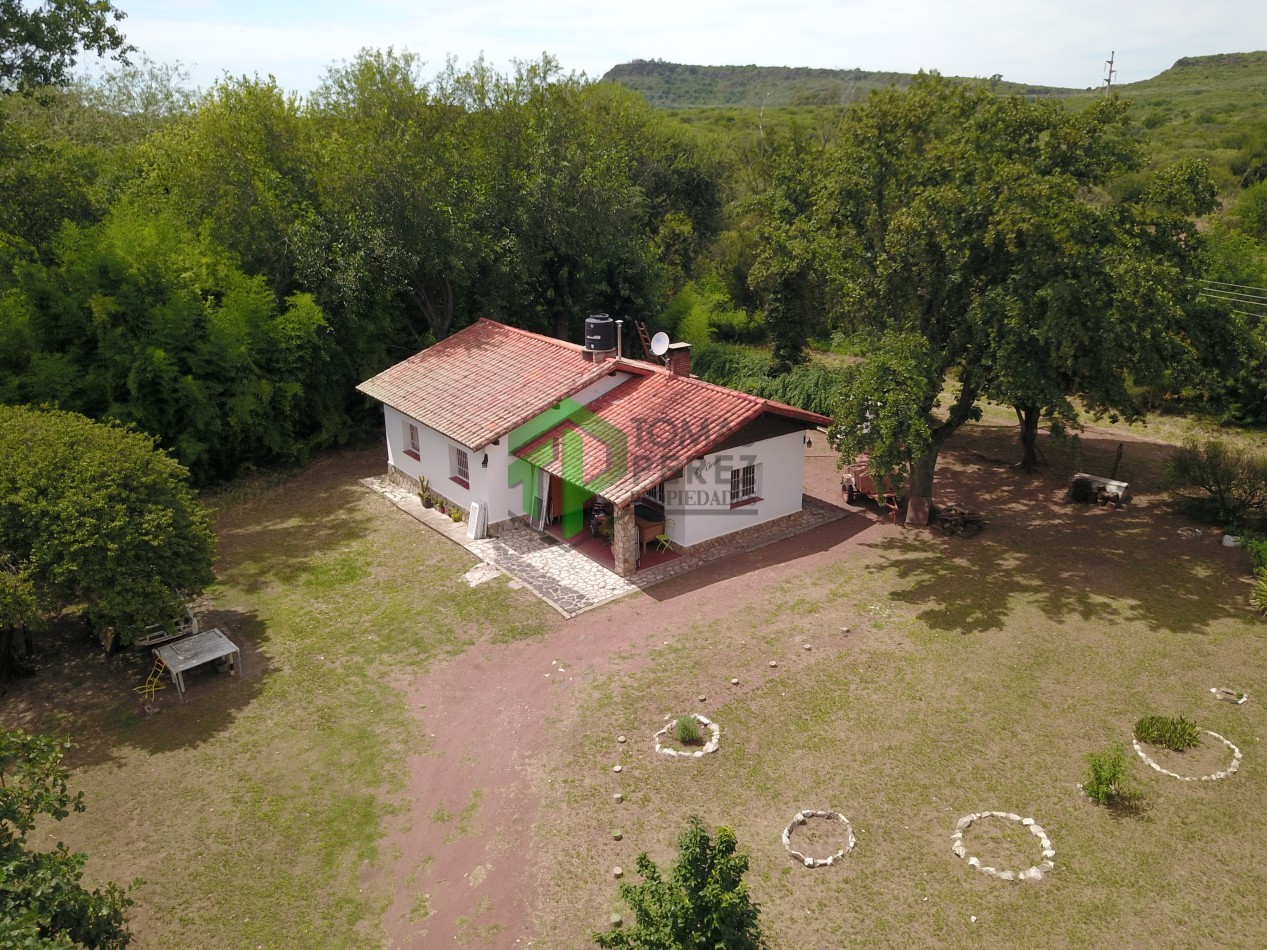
x,y
567,579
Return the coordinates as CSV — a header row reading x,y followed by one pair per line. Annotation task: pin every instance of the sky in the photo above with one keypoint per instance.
x,y
1041,42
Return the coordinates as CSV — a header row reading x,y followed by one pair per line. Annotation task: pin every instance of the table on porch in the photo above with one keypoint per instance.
x,y
193,651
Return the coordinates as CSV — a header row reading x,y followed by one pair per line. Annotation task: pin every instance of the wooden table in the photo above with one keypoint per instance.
x,y
648,530
194,651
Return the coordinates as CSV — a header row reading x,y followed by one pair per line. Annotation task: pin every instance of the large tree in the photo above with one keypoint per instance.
x,y
976,235
95,515
39,43
43,902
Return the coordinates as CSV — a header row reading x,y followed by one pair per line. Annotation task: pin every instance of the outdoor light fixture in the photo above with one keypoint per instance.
x,y
484,464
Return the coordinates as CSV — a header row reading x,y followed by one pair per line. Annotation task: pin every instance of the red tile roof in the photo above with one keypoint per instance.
x,y
486,380
481,382
666,422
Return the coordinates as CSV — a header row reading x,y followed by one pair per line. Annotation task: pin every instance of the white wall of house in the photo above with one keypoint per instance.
x,y
436,460
489,484
698,503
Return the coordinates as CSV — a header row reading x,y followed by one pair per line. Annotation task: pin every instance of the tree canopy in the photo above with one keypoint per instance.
x,y
94,514
40,43
43,902
976,239
703,904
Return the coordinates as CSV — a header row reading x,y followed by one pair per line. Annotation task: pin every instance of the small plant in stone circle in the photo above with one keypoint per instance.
x,y
686,731
1175,733
684,736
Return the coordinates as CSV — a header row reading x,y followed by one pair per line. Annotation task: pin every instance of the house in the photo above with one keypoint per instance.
x,y
518,427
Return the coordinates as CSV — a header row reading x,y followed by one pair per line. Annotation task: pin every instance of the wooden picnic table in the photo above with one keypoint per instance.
x,y
194,651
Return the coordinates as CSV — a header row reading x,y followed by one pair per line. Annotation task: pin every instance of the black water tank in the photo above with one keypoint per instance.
x,y
600,333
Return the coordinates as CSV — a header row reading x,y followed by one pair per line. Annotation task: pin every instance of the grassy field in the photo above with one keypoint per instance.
x,y
253,811
975,675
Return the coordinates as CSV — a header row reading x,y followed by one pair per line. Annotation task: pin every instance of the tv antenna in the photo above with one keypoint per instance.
x,y
1111,72
660,344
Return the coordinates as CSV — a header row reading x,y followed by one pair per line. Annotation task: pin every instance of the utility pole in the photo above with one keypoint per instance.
x,y
1108,65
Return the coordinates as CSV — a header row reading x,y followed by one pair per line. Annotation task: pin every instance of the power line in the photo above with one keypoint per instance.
x,y
1224,283
1239,298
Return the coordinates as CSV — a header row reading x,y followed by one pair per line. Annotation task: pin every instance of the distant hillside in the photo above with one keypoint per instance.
x,y
677,86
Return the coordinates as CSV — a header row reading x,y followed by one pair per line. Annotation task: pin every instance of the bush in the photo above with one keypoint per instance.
x,y
686,731
1106,780
1258,596
1177,734
704,902
1257,548
1232,480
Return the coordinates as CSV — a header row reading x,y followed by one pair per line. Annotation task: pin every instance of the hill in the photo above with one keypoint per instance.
x,y
1205,107
678,86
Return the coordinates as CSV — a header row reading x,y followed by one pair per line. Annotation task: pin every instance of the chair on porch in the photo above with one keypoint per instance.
x,y
662,540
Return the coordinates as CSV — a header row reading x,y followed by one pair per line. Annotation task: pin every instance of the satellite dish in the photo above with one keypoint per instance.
x,y
660,344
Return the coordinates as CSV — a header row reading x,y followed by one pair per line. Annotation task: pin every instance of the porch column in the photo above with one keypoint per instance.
x,y
625,542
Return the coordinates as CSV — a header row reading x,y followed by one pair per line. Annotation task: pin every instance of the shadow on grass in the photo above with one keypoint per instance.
x,y
276,537
80,692
1096,565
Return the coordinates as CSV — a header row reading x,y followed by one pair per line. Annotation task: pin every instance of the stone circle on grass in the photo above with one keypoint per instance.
x,y
1034,873
711,745
1229,695
801,818
1233,766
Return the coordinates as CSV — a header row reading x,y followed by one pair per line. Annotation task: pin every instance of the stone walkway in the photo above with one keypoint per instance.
x,y
569,581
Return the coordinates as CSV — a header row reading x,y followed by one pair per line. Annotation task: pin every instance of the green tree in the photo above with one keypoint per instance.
x,y
238,168
979,230
95,515
703,905
39,43
399,201
140,320
43,902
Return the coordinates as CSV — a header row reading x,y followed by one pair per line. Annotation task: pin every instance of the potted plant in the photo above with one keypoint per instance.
x,y
424,493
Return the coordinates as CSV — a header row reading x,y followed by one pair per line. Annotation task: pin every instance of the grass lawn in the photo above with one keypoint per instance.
x,y
253,811
976,675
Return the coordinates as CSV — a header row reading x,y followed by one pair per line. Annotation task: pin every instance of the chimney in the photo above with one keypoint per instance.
x,y
679,359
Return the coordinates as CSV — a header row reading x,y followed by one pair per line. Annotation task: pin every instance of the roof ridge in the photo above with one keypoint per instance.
x,y
780,407
566,344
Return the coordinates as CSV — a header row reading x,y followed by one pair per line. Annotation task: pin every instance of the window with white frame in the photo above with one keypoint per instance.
x,y
413,447
460,467
743,485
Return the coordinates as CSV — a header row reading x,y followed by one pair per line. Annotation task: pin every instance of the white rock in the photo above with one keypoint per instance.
x,y
809,862
618,798
618,872
1049,853
734,681
974,862
618,768
963,823
1011,817
1007,876
959,850
773,664
1047,865
973,918
1027,822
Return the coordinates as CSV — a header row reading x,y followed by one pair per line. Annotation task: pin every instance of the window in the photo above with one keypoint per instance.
x,y
460,468
743,486
413,448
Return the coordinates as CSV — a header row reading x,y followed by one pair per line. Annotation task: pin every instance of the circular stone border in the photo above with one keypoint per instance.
x,y
799,819
1230,770
710,746
1034,873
